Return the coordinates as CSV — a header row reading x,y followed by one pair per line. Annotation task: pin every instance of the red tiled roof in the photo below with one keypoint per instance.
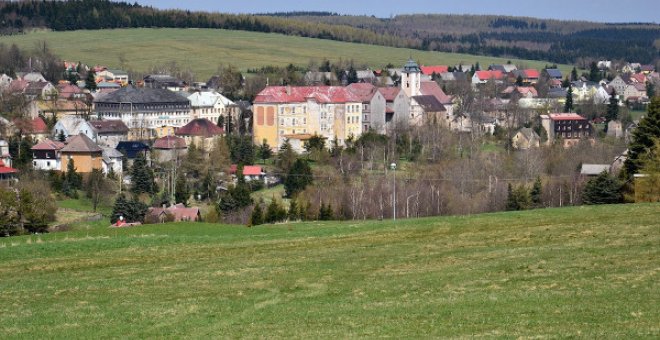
x,y
531,73
389,93
485,75
431,88
109,126
566,116
429,70
299,94
248,170
81,143
179,211
39,126
5,169
169,142
639,77
48,145
200,127
364,91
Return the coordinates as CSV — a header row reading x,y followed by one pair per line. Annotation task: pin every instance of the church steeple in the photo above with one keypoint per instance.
x,y
411,78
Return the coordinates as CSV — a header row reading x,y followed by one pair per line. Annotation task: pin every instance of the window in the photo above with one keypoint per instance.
x,y
47,163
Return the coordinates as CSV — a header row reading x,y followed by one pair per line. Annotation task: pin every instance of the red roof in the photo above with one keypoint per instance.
x,y
485,75
389,93
48,145
531,73
364,91
169,142
431,88
299,94
248,170
566,116
5,169
429,70
200,127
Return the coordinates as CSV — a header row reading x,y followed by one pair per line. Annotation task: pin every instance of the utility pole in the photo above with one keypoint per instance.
x,y
393,168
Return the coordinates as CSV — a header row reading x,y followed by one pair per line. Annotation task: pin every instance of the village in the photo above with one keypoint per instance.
x,y
106,120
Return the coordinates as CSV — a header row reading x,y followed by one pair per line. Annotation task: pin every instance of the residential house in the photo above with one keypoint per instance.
x,y
164,81
567,127
453,76
528,76
631,68
32,77
40,90
316,78
7,173
436,70
113,75
112,159
592,170
620,83
209,105
504,68
526,138
397,105
373,106
65,107
615,129
148,113
72,126
635,91
85,154
427,109
553,73
109,132
175,213
47,155
250,172
366,76
5,157
519,92
647,69
168,148
482,77
201,132
132,149
38,129
69,92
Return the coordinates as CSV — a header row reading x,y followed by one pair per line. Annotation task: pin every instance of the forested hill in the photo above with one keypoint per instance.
x,y
519,37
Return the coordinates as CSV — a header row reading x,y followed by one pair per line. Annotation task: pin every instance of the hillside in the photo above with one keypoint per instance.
x,y
573,272
203,50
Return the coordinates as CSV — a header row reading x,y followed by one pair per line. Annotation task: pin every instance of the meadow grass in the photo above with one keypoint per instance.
x,y
572,272
203,50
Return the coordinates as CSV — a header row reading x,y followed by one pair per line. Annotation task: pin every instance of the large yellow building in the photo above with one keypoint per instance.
x,y
86,155
282,112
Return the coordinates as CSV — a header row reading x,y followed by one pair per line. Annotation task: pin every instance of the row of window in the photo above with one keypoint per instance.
x,y
136,107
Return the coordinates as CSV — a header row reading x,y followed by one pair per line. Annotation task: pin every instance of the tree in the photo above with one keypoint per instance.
x,y
602,189
182,193
221,121
97,187
286,156
90,81
293,212
264,151
298,177
257,216
650,89
72,180
594,72
535,193
61,137
142,176
131,210
574,74
643,138
517,198
647,188
326,213
352,76
568,106
519,80
612,108
275,212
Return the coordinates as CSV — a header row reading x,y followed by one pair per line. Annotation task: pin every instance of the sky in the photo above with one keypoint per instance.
x,y
591,10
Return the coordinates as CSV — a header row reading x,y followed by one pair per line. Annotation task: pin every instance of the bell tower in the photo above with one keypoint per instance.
x,y
411,78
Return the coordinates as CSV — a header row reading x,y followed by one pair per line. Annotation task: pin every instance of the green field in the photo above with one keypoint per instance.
x,y
574,272
203,50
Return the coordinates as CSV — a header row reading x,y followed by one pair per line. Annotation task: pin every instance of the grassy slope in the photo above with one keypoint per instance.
x,y
586,271
203,50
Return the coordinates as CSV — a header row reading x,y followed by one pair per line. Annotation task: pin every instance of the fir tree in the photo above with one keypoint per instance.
x,y
574,74
264,151
257,216
612,108
603,189
535,193
293,213
182,193
298,177
568,106
643,138
519,80
90,81
142,177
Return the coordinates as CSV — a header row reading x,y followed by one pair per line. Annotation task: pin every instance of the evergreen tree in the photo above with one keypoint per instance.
x,y
221,121
519,80
72,181
603,189
142,176
257,217
574,74
594,72
568,106
207,187
182,193
90,81
535,193
325,212
229,125
650,89
293,213
298,177
119,208
275,212
612,108
647,188
264,151
643,137
352,76
286,156
517,198
566,83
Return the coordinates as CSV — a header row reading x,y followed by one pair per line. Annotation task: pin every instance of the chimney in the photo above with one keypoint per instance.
x,y
288,90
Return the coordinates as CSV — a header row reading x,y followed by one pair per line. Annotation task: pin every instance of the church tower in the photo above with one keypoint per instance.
x,y
411,78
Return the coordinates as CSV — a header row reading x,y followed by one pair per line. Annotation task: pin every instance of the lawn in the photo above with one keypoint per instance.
x,y
203,50
574,272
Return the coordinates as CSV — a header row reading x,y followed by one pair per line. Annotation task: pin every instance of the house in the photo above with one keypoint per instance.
x,y
615,129
113,75
568,127
109,132
397,105
528,76
482,77
85,154
250,172
107,86
201,132
209,105
168,148
65,107
5,157
164,81
73,126
453,76
520,92
175,213
366,76
38,129
315,78
525,138
504,68
592,170
31,77
7,173
373,106
647,69
636,90
553,73
47,155
145,111
131,150
68,91
620,83
5,82
437,70
40,90
427,109
112,159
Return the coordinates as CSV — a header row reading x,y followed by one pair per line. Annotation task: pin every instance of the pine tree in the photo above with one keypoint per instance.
x,y
612,109
574,74
325,212
535,193
264,151
643,138
90,81
286,156
257,216
182,193
293,213
298,177
594,72
221,121
568,106
275,212
119,209
142,177
603,189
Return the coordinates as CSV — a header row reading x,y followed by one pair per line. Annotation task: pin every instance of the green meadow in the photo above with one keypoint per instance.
x,y
203,50
589,272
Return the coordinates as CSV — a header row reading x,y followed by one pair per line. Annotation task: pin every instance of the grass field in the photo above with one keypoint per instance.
x,y
203,50
574,272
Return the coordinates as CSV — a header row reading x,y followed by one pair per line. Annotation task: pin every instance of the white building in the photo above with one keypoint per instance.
x,y
46,155
209,105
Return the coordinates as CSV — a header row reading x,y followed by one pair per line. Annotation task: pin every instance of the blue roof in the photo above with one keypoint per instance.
x,y
411,66
554,73
131,148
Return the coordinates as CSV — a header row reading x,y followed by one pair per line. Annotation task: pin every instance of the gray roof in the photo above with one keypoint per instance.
x,y
112,153
131,94
411,66
553,73
529,133
429,103
81,143
594,169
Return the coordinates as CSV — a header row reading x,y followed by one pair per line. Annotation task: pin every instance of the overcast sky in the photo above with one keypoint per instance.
x,y
592,10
